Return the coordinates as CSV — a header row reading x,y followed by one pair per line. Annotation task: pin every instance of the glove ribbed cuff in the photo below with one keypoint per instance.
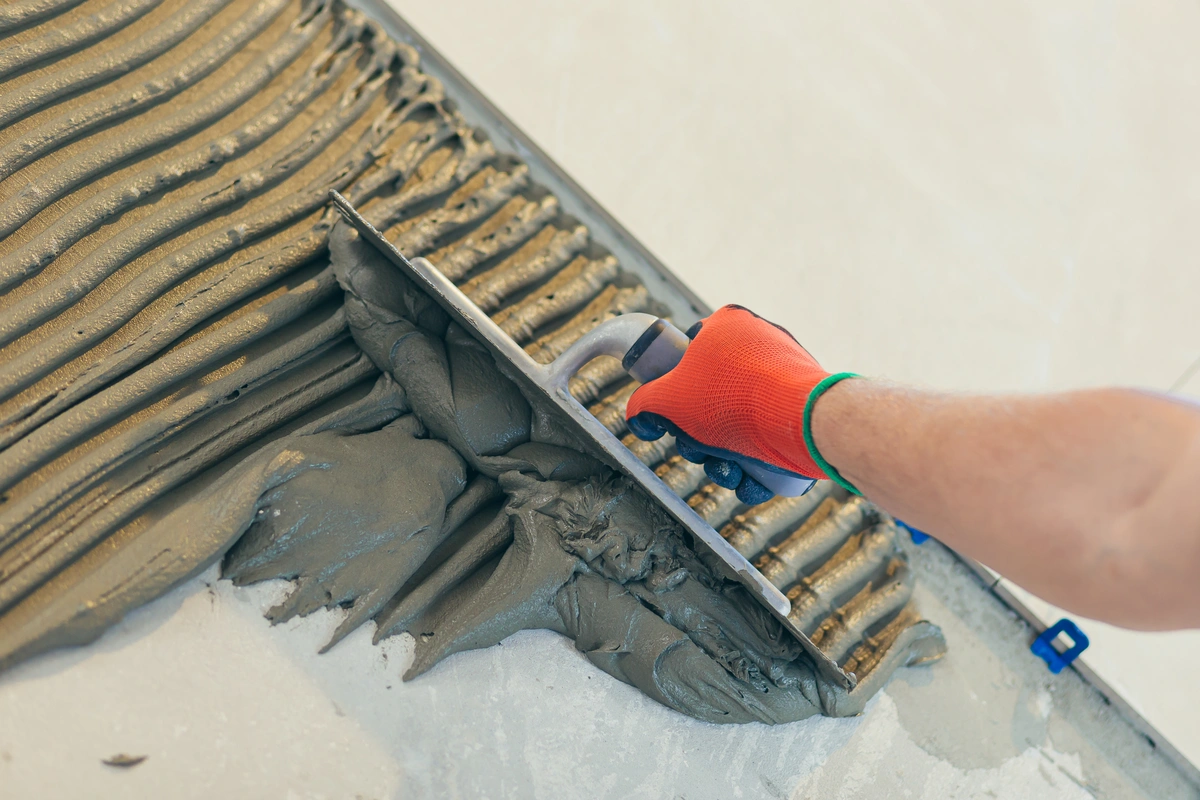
x,y
818,390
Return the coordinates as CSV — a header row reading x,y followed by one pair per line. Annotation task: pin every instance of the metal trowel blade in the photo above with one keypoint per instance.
x,y
600,442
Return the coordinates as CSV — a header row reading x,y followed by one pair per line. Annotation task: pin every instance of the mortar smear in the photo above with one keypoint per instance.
x,y
199,362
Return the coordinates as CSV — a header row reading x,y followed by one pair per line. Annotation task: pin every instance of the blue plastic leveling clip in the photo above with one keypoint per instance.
x,y
1043,646
918,536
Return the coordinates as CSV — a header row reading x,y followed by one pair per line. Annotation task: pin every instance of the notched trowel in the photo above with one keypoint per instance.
x,y
648,347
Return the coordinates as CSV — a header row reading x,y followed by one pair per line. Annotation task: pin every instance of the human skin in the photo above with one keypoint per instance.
x,y
1089,499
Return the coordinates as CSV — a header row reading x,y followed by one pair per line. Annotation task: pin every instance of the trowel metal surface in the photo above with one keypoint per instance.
x,y
648,347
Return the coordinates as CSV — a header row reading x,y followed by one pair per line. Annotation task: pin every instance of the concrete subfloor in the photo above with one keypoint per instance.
x,y
225,705
973,197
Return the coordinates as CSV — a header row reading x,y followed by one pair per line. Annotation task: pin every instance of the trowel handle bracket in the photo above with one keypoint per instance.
x,y
648,347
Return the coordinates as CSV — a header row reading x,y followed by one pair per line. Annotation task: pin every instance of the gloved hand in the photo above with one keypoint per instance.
x,y
745,389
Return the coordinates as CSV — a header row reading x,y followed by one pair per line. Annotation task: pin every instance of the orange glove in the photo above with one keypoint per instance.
x,y
744,389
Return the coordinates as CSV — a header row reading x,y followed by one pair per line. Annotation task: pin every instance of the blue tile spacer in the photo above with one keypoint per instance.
x,y
918,537
1043,646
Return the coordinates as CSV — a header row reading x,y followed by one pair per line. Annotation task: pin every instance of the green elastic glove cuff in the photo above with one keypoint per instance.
x,y
818,390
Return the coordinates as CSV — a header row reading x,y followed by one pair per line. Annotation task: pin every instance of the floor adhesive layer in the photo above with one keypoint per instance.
x,y
443,503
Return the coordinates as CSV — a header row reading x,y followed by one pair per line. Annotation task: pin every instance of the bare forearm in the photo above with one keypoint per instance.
x,y
1090,499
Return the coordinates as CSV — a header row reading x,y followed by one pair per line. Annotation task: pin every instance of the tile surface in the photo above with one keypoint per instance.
x,y
1001,197
962,196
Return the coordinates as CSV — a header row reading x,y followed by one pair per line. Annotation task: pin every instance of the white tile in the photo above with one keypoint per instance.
x,y
1188,383
977,197
969,196
1156,673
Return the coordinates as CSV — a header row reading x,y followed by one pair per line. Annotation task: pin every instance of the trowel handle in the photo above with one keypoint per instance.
x,y
656,352
648,346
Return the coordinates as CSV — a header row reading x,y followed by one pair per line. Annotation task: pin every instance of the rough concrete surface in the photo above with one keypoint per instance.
x,y
223,703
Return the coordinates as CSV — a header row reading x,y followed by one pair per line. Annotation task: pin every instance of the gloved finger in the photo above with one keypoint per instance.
x,y
724,473
690,450
764,319
647,426
656,394
751,492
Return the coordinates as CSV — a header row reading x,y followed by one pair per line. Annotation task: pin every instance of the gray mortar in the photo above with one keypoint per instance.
x,y
64,127
210,410
70,38
40,93
26,12
591,558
